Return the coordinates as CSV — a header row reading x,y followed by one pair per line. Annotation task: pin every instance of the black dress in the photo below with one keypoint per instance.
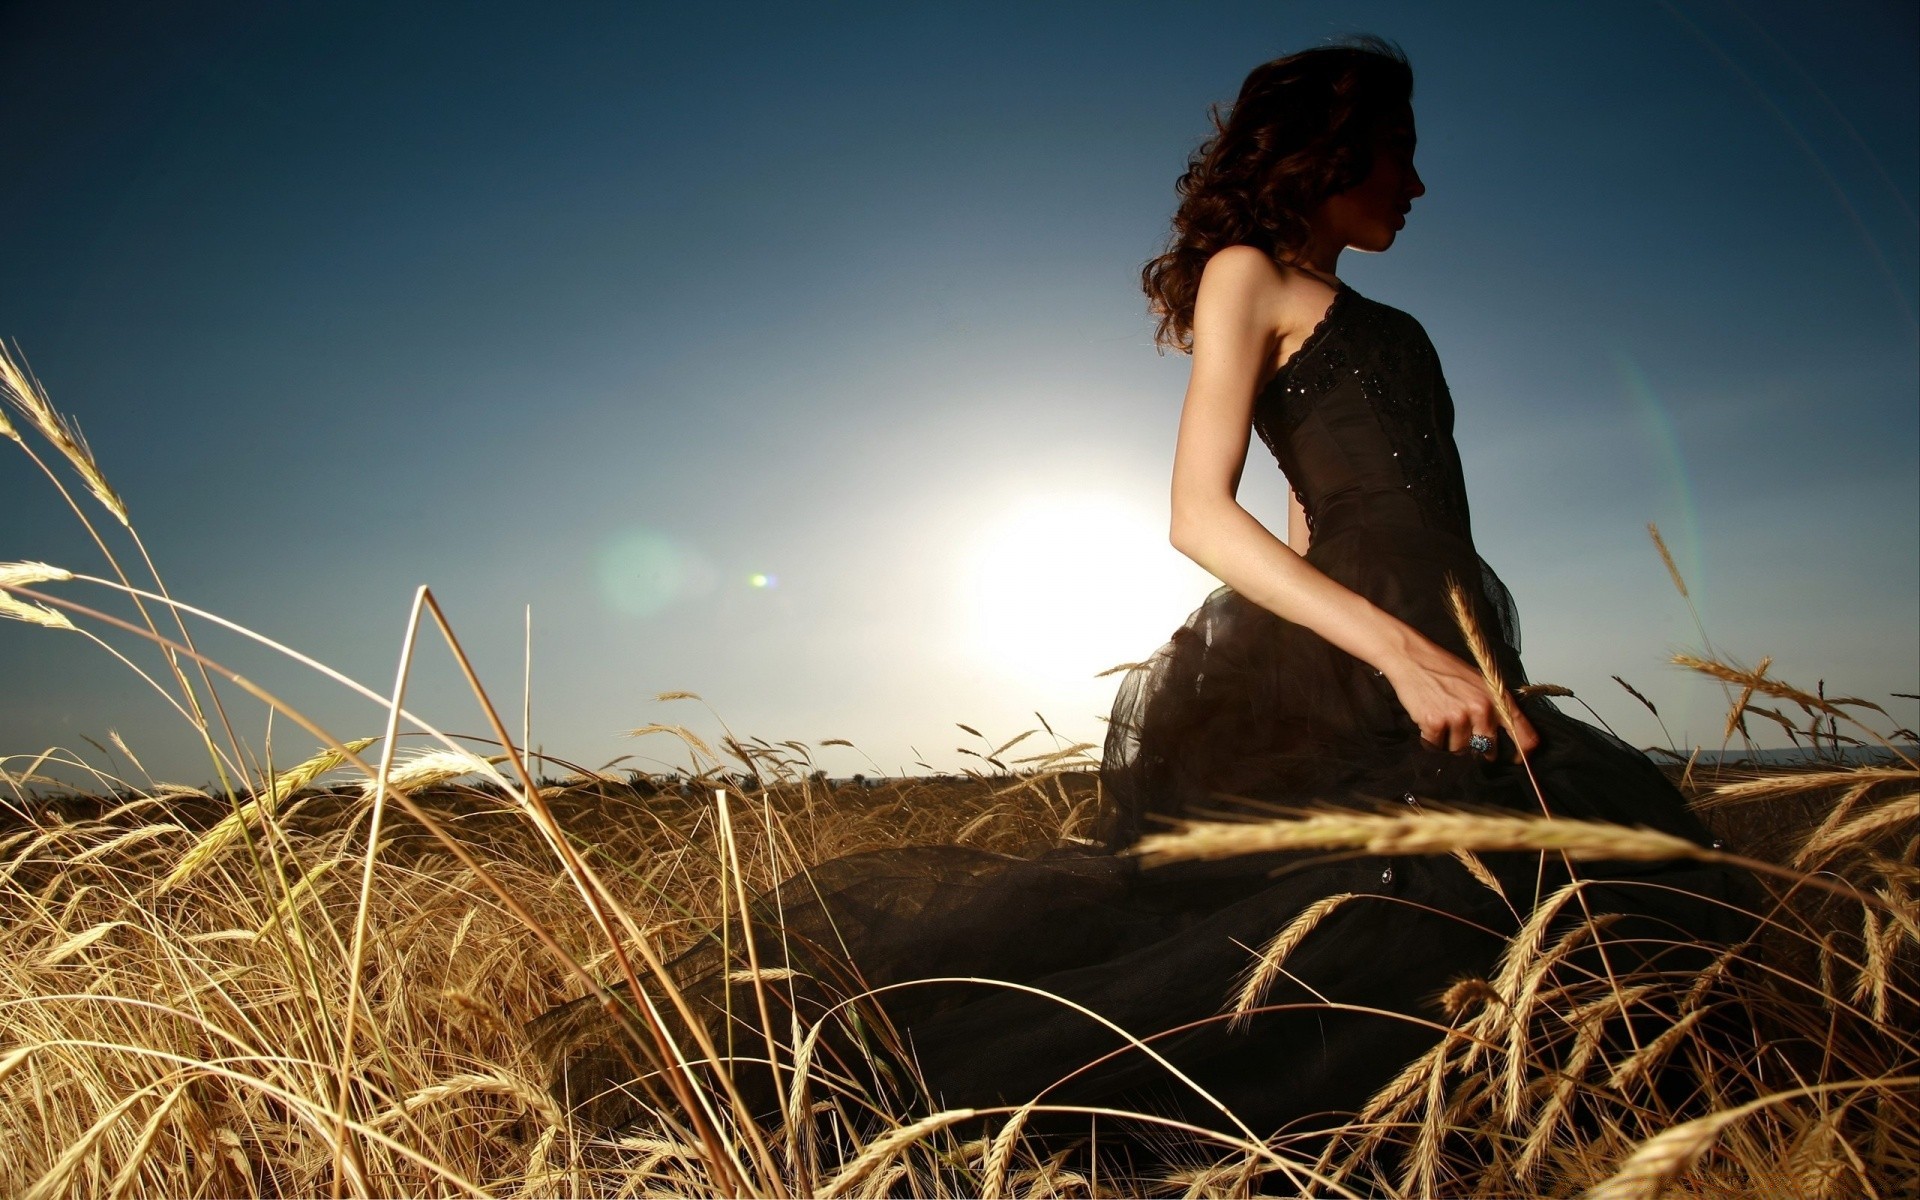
x,y
1240,713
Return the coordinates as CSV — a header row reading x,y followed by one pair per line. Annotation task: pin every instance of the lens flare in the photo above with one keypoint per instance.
x,y
1657,423
643,571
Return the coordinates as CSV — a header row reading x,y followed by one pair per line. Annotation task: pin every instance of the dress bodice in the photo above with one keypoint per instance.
x,y
1360,421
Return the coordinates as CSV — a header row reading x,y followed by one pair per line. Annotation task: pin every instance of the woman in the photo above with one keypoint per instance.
x,y
1334,677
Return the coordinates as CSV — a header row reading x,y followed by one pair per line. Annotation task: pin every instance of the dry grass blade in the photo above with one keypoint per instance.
x,y
1879,940
1010,743
55,1181
1481,875
1503,706
129,1173
1548,1121
686,735
433,768
1789,783
993,1172
234,824
1894,812
13,1060
1754,680
1659,1160
1543,689
1525,994
533,1099
120,842
304,887
1421,1171
1777,717
1815,1167
763,975
886,1146
19,574
1266,968
1522,966
1736,713
24,391
80,941
1468,994
1418,833
1636,694
1052,757
32,614
1666,556
1653,1053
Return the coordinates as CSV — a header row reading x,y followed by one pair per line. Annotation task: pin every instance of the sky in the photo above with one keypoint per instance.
x,y
794,356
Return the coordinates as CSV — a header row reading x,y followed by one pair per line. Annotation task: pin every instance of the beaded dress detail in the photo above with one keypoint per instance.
x,y
1240,713
1398,374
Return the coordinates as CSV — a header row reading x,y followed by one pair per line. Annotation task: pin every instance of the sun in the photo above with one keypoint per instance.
x,y
1064,585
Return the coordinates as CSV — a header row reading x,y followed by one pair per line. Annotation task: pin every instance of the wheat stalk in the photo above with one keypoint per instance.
x,y
888,1144
1666,556
1894,812
1503,706
1566,1085
1815,1162
1738,709
993,1172
1523,999
24,391
235,824
1835,706
430,769
1659,1160
1768,786
1650,1055
18,575
1266,967
1484,877
13,608
1416,833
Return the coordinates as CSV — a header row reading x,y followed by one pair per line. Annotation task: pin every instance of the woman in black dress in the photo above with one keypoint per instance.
x,y
1329,671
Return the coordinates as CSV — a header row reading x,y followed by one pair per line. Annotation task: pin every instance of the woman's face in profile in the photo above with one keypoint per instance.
x,y
1368,216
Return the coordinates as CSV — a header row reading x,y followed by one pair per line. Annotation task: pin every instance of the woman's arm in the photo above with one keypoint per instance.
x,y
1298,535
1236,334
1240,317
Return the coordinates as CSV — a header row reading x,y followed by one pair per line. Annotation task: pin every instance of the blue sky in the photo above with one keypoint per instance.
x,y
796,358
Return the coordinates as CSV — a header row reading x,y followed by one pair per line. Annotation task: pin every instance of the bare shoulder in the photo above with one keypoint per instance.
x,y
1242,273
1244,289
1240,296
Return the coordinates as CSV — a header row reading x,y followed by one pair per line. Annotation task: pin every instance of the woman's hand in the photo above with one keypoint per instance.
x,y
1449,700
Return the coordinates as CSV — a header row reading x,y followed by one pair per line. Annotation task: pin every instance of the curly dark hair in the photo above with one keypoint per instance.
x,y
1300,131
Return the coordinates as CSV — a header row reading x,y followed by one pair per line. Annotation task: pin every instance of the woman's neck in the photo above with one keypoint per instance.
x,y
1323,274
1317,257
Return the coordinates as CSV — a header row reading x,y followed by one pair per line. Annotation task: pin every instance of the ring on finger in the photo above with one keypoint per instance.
x,y
1480,743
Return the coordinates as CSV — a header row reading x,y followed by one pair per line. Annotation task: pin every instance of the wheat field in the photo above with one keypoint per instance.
x,y
315,980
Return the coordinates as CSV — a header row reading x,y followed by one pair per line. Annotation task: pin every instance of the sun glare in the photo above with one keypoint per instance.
x,y
1063,586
